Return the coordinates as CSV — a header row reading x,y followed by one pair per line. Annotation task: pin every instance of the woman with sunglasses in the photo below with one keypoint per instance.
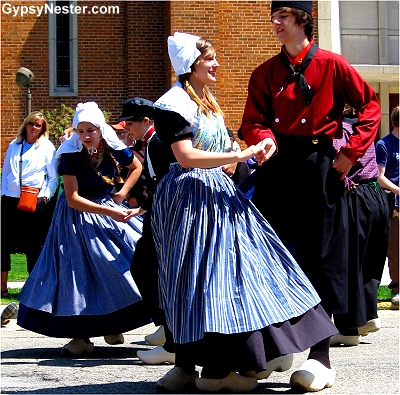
x,y
30,161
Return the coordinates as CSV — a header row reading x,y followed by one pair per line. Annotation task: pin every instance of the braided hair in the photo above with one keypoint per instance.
x,y
117,179
209,105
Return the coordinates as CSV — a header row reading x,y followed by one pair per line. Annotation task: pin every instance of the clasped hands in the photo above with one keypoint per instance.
x,y
266,148
261,151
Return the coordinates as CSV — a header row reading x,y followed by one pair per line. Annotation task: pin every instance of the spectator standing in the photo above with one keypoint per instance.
x,y
66,134
124,135
30,161
121,132
388,158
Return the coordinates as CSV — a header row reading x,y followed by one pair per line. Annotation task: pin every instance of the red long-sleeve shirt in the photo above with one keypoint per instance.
x,y
276,108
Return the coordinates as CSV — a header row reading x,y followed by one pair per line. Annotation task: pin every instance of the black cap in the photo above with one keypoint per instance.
x,y
136,109
305,6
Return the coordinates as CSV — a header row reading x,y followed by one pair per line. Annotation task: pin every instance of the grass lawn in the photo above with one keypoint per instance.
x,y
18,268
19,273
13,294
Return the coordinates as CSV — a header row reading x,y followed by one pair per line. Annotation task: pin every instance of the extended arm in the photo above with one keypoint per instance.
x,y
187,156
80,203
385,183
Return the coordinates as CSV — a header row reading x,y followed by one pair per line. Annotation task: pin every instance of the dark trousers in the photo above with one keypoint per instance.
x,y
302,197
393,249
368,241
144,270
22,231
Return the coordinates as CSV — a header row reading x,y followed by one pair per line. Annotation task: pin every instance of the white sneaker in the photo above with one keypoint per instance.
x,y
157,338
156,356
339,339
371,326
114,339
312,376
175,380
280,364
234,382
77,347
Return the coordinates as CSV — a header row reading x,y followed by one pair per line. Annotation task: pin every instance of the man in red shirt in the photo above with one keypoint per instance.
x,y
295,102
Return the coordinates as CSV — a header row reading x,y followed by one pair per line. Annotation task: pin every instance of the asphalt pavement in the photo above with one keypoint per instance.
x,y
32,364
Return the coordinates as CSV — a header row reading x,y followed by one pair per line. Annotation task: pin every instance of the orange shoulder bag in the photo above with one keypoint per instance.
x,y
29,195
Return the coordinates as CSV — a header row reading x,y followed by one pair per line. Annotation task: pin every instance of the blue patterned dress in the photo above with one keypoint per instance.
x,y
222,268
81,285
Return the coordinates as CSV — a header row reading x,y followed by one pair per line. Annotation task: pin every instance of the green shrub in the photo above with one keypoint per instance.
x,y
384,293
59,119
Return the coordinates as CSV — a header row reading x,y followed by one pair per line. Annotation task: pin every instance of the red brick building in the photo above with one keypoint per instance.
x,y
117,50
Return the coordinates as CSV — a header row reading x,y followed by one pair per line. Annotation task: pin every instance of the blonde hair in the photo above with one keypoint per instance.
x,y
33,117
69,131
209,105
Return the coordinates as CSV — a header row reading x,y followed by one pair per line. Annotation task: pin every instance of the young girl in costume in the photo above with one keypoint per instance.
x,y
234,298
81,286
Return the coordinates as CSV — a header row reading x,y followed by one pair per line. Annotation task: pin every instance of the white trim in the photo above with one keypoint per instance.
x,y
328,26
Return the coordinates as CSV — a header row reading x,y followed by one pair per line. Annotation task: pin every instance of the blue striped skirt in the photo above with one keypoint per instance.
x,y
222,268
83,271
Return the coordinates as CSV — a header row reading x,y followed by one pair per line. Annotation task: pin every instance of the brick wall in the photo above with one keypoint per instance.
x,y
22,44
125,55
119,56
147,48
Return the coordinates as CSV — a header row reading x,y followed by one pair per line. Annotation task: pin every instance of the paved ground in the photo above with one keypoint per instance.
x,y
32,364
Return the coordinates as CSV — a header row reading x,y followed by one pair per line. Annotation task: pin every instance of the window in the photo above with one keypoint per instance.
x,y
63,52
63,55
370,32
367,35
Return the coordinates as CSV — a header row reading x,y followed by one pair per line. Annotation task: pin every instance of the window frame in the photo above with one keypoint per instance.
x,y
55,90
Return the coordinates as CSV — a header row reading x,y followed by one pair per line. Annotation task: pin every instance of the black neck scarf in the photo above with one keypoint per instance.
x,y
297,72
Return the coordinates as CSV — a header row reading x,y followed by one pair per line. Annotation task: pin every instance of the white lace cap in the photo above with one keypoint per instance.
x,y
90,112
182,51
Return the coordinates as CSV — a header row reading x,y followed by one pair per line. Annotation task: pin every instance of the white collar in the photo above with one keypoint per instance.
x,y
176,99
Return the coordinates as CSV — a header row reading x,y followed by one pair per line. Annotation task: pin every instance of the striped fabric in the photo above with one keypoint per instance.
x,y
84,267
222,267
